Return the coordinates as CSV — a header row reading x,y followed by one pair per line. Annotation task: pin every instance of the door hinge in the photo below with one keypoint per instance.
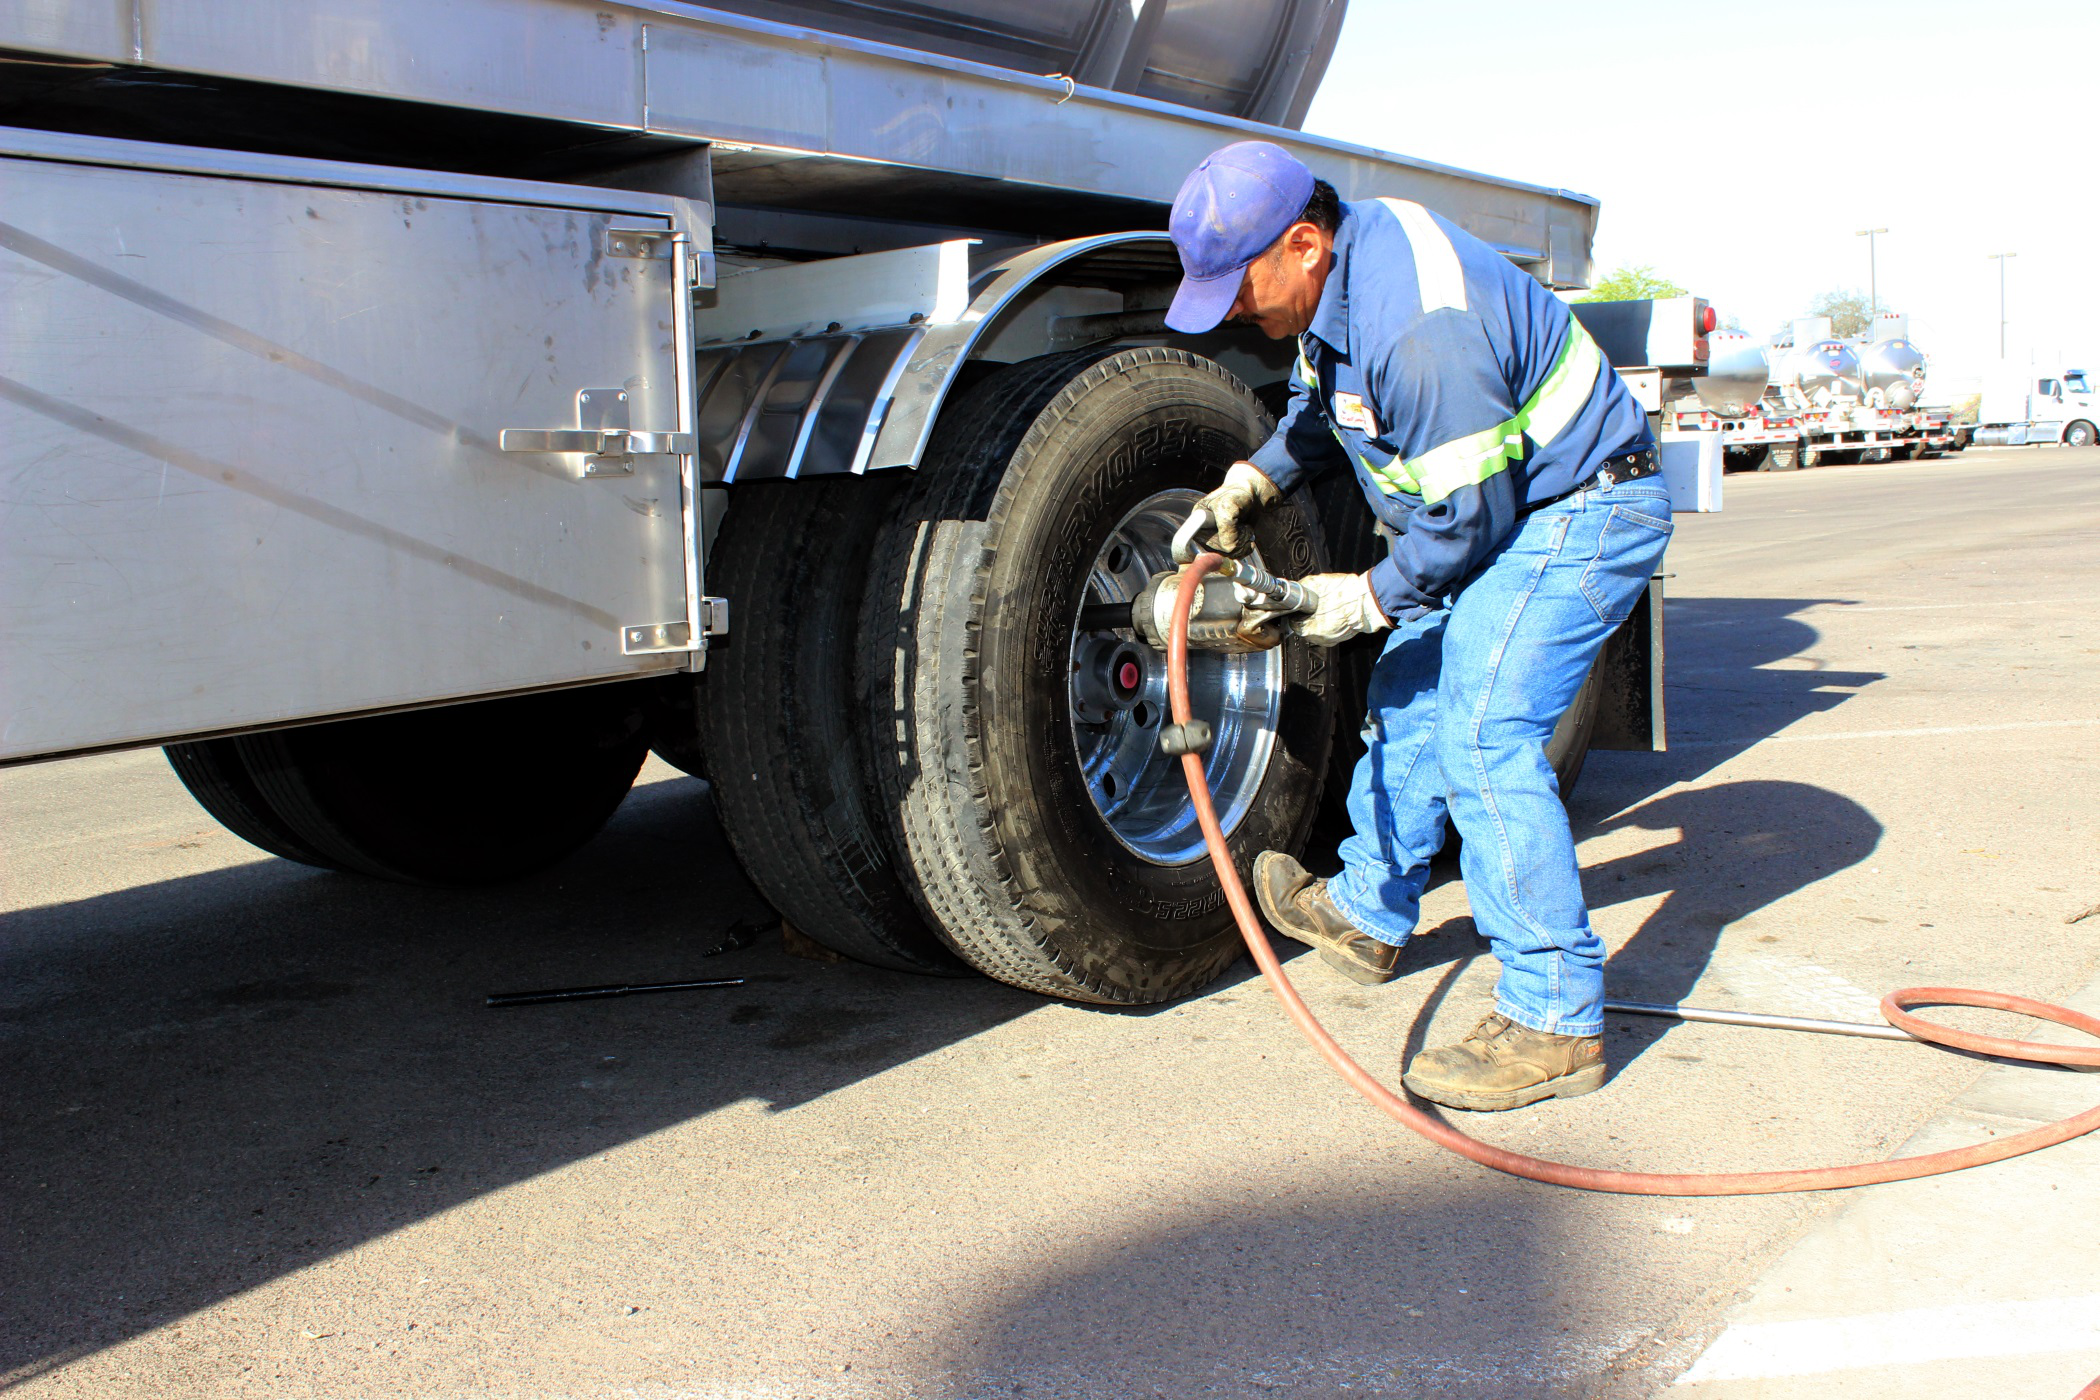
x,y
645,639
657,243
651,637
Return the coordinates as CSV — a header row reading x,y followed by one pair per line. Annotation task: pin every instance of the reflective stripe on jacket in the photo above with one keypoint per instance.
x,y
1459,390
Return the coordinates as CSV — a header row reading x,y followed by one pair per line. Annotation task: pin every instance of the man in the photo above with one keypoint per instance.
x,y
1514,478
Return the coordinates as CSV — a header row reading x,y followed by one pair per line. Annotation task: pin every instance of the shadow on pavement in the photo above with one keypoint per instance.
x,y
216,1080
1723,692
1743,846
1344,1289
1332,1286
219,1079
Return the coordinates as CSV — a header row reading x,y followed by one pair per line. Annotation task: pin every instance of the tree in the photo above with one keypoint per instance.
x,y
1639,282
1847,311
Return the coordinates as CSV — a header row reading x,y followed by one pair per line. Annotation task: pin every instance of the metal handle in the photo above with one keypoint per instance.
x,y
596,442
1199,522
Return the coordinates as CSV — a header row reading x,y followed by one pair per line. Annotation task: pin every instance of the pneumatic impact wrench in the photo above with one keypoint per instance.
x,y
1239,607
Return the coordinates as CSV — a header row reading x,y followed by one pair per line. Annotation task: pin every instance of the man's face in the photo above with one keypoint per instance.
x,y
1281,289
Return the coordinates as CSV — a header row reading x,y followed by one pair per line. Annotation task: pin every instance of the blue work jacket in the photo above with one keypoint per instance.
x,y
1460,391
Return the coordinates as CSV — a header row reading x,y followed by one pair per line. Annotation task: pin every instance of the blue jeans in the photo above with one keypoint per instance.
x,y
1462,702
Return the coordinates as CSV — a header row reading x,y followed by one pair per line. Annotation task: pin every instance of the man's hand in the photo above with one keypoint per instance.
x,y
1346,609
1231,508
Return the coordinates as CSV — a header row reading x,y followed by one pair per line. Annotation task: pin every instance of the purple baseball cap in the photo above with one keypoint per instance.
x,y
1230,209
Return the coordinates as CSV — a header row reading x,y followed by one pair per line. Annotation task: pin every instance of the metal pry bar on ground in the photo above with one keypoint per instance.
x,y
617,989
1671,1011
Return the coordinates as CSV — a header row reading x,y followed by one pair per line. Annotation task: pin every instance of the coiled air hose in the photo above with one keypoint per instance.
x,y
1894,1007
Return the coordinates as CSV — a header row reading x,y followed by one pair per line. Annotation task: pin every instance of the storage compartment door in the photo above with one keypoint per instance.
x,y
251,468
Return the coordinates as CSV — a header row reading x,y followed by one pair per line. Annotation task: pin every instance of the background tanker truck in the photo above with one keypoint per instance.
x,y
411,415
1811,398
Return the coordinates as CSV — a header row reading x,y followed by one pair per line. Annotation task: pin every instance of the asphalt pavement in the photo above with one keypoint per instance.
x,y
261,1137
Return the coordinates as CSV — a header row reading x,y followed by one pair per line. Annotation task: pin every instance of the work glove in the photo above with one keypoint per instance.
x,y
1346,609
1232,508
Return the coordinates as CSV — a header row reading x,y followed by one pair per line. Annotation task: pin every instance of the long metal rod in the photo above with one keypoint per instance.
x,y
617,989
1678,1012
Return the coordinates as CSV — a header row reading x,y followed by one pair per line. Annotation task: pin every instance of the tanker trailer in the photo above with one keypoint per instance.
x,y
1893,372
1731,401
1736,376
1874,416
1823,375
414,413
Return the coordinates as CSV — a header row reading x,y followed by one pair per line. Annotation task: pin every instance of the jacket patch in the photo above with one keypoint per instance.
x,y
1350,412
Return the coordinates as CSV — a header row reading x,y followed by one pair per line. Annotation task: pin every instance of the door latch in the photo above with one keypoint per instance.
x,y
601,434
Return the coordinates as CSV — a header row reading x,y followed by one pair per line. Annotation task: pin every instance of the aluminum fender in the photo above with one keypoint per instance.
x,y
779,397
930,369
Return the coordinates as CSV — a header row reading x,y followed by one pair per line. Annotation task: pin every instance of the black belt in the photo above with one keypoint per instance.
x,y
1632,466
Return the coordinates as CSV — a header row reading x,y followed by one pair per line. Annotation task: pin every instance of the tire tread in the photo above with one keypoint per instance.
x,y
929,602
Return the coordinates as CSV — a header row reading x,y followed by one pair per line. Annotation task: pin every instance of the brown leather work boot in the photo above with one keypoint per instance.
x,y
1505,1065
1297,904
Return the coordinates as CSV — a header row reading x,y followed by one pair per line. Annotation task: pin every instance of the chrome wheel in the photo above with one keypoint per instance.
x,y
1119,702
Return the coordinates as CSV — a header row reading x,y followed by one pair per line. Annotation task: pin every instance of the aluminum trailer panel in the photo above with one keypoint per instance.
x,y
251,414
800,119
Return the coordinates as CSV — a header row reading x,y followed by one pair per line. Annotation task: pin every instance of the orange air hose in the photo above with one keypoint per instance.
x,y
1893,1006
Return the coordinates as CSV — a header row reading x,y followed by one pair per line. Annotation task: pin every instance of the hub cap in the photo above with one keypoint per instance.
x,y
1119,702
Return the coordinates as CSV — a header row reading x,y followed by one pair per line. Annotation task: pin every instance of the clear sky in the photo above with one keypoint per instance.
x,y
1737,148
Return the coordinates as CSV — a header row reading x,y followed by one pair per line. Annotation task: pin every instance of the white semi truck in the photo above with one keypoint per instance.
x,y
2023,404
412,414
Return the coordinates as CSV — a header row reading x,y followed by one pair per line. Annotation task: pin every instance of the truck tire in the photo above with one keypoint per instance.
x,y
1747,459
2079,434
461,795
1784,457
1051,843
213,772
781,734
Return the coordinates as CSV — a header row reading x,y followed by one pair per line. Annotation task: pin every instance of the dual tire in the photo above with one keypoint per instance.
x,y
899,730
1023,828
463,795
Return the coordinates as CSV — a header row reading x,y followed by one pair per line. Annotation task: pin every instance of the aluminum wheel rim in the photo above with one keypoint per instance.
x,y
1138,790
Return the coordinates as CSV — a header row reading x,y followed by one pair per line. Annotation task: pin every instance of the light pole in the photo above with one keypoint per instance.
x,y
2001,257
1873,293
